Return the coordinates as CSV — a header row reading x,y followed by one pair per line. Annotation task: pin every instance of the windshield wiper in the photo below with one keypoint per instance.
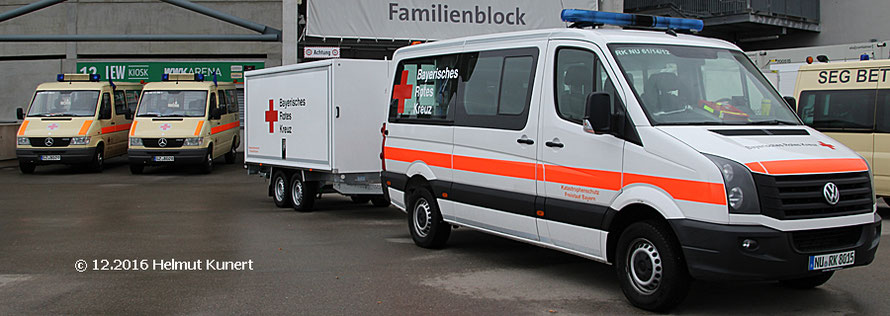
x,y
772,122
149,115
172,115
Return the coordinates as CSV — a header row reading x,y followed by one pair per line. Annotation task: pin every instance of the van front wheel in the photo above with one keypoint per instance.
x,y
650,267
428,230
232,154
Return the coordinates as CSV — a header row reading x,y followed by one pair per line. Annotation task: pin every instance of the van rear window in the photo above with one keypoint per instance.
x,y
838,109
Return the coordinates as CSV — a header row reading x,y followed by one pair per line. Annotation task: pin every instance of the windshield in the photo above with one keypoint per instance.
x,y
165,103
64,103
681,85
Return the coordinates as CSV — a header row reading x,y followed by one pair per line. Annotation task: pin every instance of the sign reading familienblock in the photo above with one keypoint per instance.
x,y
434,19
152,71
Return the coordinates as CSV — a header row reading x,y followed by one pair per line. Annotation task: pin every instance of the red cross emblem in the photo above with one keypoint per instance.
x,y
271,116
402,91
165,127
53,126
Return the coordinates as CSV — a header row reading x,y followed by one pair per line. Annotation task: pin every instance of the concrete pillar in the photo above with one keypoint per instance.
x,y
290,31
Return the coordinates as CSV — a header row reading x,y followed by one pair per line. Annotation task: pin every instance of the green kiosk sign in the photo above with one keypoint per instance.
x,y
152,71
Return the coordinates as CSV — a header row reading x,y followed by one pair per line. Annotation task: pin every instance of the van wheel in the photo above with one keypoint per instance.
x,y
98,162
232,154
280,188
27,167
428,230
207,164
359,199
650,267
807,282
302,194
380,201
136,168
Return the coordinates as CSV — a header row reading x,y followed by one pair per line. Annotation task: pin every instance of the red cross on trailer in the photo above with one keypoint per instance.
x,y
166,126
271,116
402,91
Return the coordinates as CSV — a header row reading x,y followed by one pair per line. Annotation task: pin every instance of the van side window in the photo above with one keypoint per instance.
x,y
233,101
424,88
223,102
883,112
495,88
578,73
120,102
106,101
839,109
213,102
132,100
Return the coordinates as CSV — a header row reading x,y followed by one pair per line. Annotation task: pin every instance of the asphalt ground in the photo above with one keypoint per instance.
x,y
341,259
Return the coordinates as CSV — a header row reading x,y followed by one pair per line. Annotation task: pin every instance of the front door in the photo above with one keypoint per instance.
x,y
581,170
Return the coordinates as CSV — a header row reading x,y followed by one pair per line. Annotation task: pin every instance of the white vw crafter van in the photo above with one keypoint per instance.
x,y
667,155
184,120
76,120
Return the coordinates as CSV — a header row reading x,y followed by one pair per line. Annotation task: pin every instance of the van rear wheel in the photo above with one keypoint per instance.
x,y
425,223
650,267
280,187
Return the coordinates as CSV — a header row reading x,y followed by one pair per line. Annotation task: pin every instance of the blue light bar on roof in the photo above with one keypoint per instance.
x,y
165,77
624,19
60,77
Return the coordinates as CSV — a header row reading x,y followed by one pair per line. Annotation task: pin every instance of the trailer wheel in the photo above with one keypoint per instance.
x,y
302,194
650,267
380,201
280,187
428,230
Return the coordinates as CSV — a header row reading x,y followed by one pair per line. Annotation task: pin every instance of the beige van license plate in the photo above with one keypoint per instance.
x,y
163,158
50,157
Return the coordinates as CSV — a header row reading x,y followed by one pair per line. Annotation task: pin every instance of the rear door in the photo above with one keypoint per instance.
x,y
581,171
494,142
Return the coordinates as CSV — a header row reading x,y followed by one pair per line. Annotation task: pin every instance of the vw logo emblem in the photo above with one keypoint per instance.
x,y
162,142
832,195
48,142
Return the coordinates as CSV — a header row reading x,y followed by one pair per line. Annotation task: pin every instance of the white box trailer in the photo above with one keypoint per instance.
x,y
317,126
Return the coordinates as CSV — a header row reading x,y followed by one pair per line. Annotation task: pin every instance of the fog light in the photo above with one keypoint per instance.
x,y
749,244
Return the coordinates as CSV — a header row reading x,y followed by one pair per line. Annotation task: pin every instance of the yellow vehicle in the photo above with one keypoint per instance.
x,y
184,120
850,101
76,120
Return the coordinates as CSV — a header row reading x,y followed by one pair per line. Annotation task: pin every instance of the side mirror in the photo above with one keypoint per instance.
x,y
791,102
20,113
105,112
598,113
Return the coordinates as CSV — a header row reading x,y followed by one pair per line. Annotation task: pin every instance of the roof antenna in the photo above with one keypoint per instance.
x,y
671,32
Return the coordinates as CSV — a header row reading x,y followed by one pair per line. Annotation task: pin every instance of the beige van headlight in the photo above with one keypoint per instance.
x,y
80,140
135,141
23,141
194,141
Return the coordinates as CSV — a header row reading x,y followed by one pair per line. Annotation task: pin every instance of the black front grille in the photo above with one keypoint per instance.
x,y
800,196
171,142
56,141
829,239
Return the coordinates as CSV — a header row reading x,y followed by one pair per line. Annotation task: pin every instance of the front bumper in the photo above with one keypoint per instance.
x,y
180,156
714,251
67,155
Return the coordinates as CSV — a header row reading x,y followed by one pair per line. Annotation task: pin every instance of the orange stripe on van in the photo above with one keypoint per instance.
x,y
115,128
687,190
756,167
224,127
198,129
23,127
506,168
133,128
804,166
85,127
607,180
408,155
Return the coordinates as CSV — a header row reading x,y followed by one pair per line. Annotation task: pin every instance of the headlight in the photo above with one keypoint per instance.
x,y
741,194
194,141
23,141
135,141
80,140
